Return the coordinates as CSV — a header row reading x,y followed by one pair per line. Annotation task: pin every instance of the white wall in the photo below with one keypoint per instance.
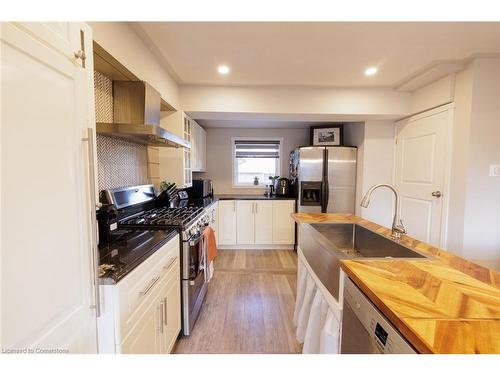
x,y
354,135
378,168
474,219
355,103
460,155
219,154
121,41
482,207
375,142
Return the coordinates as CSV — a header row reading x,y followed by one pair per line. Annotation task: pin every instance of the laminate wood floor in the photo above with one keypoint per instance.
x,y
249,305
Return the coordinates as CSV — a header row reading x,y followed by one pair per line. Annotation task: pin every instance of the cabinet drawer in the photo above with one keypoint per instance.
x,y
135,291
152,326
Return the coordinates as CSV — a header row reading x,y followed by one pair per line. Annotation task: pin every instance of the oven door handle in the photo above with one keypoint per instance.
x,y
193,241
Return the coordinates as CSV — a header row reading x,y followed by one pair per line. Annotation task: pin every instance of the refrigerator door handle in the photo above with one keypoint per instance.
x,y
327,194
324,185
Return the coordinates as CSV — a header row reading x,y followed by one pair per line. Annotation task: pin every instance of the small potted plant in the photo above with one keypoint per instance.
x,y
273,179
256,181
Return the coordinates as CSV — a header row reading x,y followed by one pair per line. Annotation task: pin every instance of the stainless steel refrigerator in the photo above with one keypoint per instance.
x,y
324,178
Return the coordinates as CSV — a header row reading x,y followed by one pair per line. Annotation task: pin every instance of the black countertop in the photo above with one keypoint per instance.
x,y
202,202
128,250
228,197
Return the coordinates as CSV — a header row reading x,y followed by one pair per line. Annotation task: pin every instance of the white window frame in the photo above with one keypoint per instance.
x,y
233,160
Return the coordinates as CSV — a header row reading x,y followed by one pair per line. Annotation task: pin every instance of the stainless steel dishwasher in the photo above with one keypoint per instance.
x,y
365,330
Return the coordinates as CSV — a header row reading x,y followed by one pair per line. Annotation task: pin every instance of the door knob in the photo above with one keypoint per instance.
x,y
436,194
80,54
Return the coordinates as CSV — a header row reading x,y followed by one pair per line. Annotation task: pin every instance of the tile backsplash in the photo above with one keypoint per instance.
x,y
119,162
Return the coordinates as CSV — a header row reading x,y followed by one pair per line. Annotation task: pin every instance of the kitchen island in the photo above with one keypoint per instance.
x,y
441,304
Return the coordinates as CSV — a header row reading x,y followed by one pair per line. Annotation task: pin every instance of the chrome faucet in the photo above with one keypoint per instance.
x,y
397,225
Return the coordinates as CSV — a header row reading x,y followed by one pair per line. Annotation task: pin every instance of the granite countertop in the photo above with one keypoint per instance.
x,y
206,202
128,251
226,197
442,305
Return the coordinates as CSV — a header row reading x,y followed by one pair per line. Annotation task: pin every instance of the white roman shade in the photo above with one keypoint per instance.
x,y
257,149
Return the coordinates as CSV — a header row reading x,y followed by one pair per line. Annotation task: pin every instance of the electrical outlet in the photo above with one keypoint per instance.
x,y
494,170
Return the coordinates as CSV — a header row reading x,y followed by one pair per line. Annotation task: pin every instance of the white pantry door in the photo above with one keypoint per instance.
x,y
421,159
46,268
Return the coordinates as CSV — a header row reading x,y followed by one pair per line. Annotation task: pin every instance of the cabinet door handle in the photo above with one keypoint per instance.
x,y
80,54
234,206
165,314
162,315
93,220
256,207
151,284
170,264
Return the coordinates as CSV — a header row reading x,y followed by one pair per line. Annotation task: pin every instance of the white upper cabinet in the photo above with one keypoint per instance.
x,y
46,264
175,163
199,148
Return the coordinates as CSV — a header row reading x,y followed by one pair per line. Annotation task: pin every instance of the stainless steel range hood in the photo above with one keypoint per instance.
x,y
136,114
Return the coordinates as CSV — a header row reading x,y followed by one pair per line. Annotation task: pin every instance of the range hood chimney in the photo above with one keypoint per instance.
x,y
136,111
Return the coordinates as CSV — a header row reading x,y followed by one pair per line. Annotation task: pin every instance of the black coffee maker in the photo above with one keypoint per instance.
x,y
282,187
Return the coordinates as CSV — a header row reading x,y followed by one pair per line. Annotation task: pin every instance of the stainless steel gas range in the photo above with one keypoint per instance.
x,y
136,208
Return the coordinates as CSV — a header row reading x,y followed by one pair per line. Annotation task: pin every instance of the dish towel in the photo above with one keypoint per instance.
x,y
211,248
317,314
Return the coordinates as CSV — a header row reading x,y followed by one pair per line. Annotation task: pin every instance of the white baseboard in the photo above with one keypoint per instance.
x,y
255,247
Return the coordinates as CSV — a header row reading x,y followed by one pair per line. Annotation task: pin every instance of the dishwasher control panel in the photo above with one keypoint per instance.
x,y
383,336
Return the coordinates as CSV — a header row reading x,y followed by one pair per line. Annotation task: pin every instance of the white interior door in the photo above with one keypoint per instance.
x,y
46,273
421,158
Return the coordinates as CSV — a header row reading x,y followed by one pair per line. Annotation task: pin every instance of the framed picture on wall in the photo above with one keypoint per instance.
x,y
326,135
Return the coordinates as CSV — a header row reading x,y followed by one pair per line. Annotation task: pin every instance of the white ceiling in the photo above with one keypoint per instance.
x,y
313,53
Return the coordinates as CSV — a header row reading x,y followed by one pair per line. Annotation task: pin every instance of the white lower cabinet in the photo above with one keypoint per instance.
x,y
226,223
245,222
142,312
256,222
263,215
213,220
283,224
145,337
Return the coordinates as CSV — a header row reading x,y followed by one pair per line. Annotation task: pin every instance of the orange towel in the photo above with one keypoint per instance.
x,y
211,245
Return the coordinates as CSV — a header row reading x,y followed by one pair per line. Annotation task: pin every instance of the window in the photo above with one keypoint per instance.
x,y
255,158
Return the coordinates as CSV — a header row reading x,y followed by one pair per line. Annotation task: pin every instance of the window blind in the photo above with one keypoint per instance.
x,y
257,149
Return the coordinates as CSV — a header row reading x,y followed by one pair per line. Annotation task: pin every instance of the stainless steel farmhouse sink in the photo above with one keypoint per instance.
x,y
325,245
357,241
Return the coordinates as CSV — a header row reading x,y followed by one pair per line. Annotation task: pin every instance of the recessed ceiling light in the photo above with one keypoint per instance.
x,y
223,69
371,71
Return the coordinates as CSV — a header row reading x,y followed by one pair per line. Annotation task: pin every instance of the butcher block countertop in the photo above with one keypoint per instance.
x,y
445,304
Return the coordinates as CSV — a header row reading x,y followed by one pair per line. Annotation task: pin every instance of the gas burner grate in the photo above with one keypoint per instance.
x,y
163,217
